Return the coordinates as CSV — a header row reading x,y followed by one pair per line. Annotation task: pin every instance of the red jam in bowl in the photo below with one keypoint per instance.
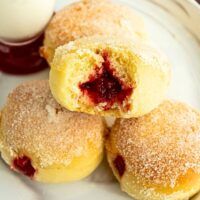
x,y
22,59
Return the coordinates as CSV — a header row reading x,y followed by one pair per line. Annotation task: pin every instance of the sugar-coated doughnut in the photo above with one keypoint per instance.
x,y
88,18
157,156
46,142
109,76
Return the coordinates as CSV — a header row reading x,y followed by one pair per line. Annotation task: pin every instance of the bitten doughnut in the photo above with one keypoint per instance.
x,y
88,18
157,156
46,142
109,76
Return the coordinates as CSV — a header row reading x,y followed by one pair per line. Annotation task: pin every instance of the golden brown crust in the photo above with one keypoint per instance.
x,y
88,18
160,146
32,121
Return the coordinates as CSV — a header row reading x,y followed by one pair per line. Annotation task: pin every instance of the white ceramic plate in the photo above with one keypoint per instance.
x,y
174,27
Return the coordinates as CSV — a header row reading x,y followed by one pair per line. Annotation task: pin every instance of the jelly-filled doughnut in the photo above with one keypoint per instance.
x,y
157,156
88,18
45,141
107,76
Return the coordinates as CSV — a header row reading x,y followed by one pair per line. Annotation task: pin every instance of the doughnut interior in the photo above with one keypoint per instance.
x,y
107,76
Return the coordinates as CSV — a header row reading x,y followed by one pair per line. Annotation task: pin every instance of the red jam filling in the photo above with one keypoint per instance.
x,y
105,87
23,164
23,59
119,165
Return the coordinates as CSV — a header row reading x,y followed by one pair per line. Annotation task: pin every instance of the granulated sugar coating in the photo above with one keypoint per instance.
x,y
33,122
160,146
88,18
